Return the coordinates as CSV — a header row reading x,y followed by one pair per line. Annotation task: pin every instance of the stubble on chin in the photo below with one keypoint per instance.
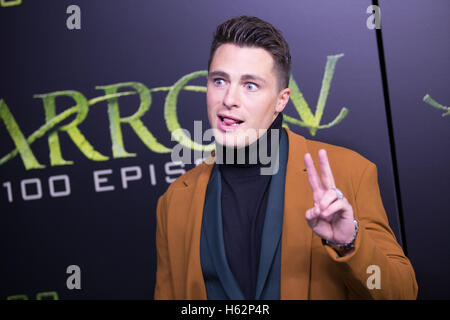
x,y
238,139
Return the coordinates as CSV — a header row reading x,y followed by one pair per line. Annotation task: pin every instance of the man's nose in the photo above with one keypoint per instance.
x,y
231,98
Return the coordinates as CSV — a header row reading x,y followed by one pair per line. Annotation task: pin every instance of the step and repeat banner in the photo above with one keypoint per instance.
x,y
417,51
91,92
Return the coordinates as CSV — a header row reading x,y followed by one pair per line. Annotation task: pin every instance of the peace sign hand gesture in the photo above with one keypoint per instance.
x,y
331,218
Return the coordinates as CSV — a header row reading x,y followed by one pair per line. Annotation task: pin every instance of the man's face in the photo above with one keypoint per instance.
x,y
242,94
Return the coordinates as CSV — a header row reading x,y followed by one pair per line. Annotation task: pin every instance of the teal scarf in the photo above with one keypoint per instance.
x,y
219,280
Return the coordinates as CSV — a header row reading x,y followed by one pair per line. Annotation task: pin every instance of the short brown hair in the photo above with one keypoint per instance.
x,y
254,32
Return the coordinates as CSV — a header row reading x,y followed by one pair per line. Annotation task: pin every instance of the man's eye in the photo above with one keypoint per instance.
x,y
251,86
218,82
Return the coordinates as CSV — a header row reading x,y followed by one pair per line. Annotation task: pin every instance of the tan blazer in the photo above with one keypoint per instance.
x,y
309,269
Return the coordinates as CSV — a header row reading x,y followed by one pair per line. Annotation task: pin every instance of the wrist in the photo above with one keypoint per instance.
x,y
344,248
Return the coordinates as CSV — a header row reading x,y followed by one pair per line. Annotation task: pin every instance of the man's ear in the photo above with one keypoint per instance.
x,y
283,99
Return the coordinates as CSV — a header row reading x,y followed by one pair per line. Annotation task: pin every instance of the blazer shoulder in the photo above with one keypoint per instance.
x,y
348,166
188,178
338,154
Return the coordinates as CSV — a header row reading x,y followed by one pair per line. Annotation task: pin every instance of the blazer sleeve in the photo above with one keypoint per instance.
x,y
164,282
376,249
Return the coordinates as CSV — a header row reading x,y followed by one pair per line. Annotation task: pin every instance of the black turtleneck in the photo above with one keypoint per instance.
x,y
244,201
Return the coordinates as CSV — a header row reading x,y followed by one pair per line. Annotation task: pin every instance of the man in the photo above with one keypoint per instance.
x,y
227,231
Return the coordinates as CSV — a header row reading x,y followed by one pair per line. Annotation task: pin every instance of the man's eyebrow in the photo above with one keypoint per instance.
x,y
218,74
252,77
243,77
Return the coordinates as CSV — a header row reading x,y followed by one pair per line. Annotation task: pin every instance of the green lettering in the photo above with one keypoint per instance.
x,y
51,295
22,146
134,120
9,121
309,120
6,3
82,108
437,105
17,297
170,113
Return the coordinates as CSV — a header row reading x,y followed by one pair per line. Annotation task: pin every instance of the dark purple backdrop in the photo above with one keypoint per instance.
x,y
110,235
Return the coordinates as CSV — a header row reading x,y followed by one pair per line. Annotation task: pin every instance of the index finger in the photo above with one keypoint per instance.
x,y
313,177
325,170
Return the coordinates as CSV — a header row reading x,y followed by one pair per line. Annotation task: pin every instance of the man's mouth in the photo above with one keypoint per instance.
x,y
228,122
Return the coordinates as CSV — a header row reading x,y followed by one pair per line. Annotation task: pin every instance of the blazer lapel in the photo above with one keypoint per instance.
x,y
296,235
273,222
195,190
